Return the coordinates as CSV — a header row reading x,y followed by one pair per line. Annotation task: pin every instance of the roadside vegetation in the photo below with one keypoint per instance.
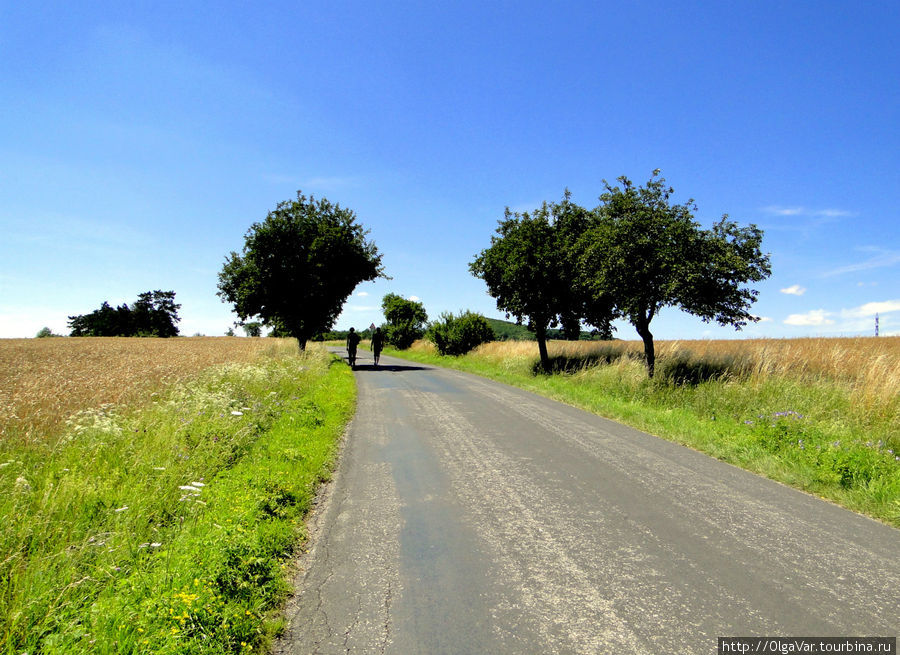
x,y
822,415
165,519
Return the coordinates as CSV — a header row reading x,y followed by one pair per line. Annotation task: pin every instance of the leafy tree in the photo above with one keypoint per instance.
x,y
531,270
645,253
405,320
252,328
45,332
457,335
154,314
229,332
299,266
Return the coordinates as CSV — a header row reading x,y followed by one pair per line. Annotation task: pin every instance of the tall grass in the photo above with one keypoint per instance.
x,y
820,414
165,525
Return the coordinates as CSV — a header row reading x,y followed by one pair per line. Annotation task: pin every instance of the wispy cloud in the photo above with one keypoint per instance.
x,y
362,294
872,308
880,258
812,317
778,210
794,290
414,298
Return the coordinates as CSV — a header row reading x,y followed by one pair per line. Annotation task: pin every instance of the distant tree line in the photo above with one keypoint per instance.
x,y
563,265
153,314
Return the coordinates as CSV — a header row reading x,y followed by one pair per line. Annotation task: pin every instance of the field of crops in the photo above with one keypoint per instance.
x,y
152,491
45,381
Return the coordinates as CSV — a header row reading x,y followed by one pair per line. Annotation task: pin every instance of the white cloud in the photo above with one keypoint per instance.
x,y
813,317
764,319
872,308
794,290
777,210
880,258
362,294
414,298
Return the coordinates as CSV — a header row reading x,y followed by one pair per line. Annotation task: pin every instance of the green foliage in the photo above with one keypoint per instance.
x,y
153,314
45,332
252,328
299,266
644,252
531,272
406,320
457,335
168,530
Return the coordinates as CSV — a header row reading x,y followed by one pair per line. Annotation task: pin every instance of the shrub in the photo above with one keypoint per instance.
x,y
457,335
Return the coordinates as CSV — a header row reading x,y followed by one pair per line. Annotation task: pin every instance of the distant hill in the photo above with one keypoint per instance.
x,y
508,331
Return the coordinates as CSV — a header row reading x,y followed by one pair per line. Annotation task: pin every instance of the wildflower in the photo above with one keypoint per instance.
x,y
198,484
22,485
237,413
159,468
189,487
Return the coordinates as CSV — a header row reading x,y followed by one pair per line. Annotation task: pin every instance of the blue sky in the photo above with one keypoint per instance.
x,y
139,141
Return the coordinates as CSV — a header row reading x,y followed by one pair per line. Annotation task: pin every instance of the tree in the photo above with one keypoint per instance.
x,y
45,332
405,320
299,266
457,335
645,253
154,314
252,328
531,270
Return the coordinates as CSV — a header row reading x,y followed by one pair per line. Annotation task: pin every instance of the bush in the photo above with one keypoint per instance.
x,y
457,335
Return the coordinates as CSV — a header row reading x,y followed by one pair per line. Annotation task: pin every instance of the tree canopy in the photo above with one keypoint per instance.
x,y
153,314
405,320
531,271
644,253
299,266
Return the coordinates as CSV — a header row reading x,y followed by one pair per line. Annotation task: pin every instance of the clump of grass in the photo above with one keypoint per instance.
x,y
167,528
825,423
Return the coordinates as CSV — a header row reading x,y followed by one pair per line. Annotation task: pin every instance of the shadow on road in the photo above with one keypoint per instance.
x,y
389,368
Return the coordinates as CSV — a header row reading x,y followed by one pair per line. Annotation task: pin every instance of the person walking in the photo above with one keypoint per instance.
x,y
377,344
352,343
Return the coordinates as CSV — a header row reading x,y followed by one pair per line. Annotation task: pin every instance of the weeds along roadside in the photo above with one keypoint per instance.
x,y
808,413
168,529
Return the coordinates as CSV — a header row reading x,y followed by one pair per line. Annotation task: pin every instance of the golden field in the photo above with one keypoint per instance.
x,y
868,366
44,381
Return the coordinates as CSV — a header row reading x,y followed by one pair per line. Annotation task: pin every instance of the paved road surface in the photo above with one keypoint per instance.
x,y
470,517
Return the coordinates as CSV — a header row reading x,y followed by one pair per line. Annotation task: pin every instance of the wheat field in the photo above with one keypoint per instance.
x,y
45,381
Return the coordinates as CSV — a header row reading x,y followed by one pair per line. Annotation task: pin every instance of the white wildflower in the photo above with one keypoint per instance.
x,y
237,413
22,485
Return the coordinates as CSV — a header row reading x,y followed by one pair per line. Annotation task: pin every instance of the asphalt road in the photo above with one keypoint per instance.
x,y
470,517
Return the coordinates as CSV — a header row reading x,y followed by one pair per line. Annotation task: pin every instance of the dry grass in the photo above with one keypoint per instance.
x,y
45,381
868,368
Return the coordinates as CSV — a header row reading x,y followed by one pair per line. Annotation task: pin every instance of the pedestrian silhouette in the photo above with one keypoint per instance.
x,y
377,344
352,342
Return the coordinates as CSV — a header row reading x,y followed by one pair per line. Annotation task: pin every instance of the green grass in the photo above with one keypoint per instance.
x,y
169,529
803,432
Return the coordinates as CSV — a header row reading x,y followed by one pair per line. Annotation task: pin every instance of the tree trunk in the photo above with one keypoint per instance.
x,y
643,329
541,334
301,342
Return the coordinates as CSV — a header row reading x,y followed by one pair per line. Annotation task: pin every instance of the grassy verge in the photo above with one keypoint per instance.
x,y
811,432
169,529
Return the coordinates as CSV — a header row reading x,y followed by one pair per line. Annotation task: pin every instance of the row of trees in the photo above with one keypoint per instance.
x,y
630,257
153,314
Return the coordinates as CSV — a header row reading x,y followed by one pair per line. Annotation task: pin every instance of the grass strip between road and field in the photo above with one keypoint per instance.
x,y
170,528
808,432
